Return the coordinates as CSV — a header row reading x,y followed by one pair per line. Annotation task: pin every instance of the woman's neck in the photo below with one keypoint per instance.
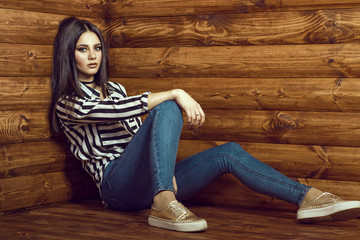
x,y
87,79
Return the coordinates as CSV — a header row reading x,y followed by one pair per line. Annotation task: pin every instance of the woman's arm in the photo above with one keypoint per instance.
x,y
85,111
195,114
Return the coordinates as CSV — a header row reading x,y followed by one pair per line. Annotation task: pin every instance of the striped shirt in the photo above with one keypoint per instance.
x,y
99,130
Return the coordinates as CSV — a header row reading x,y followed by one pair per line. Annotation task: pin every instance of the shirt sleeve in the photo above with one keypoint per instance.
x,y
81,110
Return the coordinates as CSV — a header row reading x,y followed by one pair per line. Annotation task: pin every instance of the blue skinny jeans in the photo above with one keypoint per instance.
x,y
148,164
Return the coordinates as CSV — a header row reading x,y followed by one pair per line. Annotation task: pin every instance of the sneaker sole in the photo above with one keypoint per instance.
x,y
181,227
338,212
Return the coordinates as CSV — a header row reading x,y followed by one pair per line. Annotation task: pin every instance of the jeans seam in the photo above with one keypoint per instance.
x,y
156,188
189,170
291,186
264,176
254,173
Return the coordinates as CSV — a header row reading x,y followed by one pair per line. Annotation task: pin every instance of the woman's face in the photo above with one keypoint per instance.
x,y
88,54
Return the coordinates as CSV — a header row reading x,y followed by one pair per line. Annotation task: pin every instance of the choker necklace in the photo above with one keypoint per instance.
x,y
88,82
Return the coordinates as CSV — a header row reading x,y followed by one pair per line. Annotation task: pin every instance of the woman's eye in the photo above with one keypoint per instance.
x,y
98,48
81,49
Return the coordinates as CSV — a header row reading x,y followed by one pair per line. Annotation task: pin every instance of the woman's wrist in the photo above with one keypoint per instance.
x,y
157,98
175,93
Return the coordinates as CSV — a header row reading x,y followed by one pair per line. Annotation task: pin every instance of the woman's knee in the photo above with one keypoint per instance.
x,y
234,151
170,108
170,105
232,147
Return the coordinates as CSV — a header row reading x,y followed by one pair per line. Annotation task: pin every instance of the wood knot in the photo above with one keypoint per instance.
x,y
281,93
47,186
26,89
24,124
30,57
13,127
205,23
278,125
227,96
2,196
255,92
323,169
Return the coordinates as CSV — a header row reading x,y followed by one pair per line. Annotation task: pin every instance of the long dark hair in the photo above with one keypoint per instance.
x,y
64,77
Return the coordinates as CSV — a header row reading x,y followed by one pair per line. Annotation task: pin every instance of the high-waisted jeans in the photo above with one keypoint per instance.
x,y
148,164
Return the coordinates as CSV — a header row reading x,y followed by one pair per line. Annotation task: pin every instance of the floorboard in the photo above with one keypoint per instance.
x,y
88,220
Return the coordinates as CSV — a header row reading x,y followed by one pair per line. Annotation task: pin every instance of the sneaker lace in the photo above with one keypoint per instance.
x,y
179,208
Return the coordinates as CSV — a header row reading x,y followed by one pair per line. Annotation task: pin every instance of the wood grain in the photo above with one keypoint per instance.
x,y
315,60
25,60
89,220
45,188
86,8
282,80
264,28
297,161
331,129
228,191
298,94
291,127
177,7
26,125
35,158
340,60
35,28
310,128
18,93
304,161
293,94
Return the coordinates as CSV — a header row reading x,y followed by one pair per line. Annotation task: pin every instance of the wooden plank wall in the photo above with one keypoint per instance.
x,y
280,77
35,168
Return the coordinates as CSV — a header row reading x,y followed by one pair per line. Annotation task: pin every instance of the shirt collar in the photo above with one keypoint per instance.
x,y
89,92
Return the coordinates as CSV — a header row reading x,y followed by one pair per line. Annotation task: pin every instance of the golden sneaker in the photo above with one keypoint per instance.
x,y
176,217
327,207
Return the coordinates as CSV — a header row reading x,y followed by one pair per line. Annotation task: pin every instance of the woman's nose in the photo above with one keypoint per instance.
x,y
92,54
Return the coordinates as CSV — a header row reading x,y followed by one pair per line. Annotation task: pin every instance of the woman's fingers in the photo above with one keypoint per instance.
x,y
201,116
196,118
191,118
195,114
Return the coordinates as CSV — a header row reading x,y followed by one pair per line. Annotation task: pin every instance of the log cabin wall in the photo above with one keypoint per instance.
x,y
282,78
35,168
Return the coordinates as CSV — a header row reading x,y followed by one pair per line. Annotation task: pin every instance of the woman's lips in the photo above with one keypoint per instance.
x,y
92,65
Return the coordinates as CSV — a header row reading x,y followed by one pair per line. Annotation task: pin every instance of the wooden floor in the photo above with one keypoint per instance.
x,y
89,220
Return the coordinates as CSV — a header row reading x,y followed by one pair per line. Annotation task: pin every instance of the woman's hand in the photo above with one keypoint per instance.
x,y
195,114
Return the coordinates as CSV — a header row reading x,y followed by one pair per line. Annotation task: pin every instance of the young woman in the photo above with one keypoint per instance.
x,y
133,163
